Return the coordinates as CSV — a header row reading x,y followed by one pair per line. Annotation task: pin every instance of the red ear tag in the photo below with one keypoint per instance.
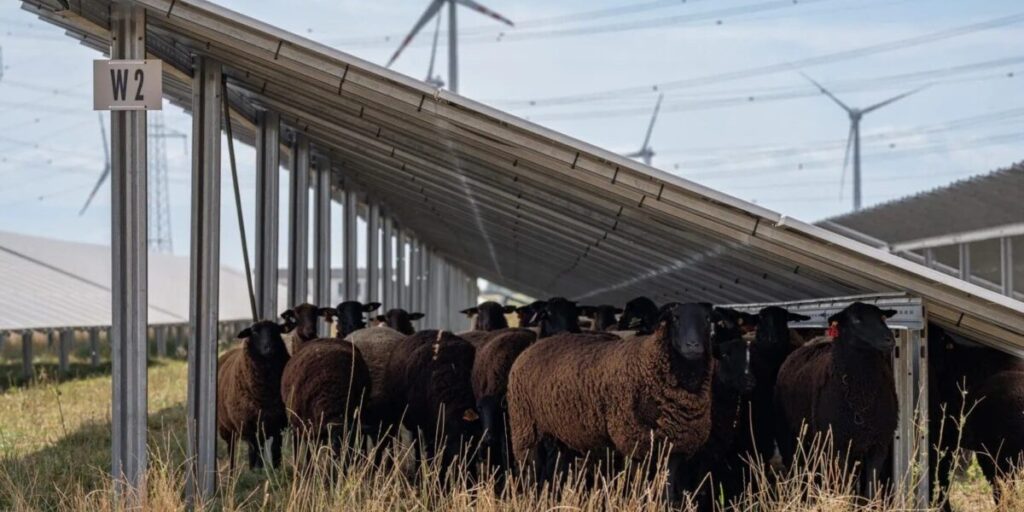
x,y
833,330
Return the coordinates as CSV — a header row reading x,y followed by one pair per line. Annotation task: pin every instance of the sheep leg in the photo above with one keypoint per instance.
x,y
874,478
232,443
275,449
677,477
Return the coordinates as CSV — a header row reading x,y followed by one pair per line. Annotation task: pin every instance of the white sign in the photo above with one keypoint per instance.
x,y
127,84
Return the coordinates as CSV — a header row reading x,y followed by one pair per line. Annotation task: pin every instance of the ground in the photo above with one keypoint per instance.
x,y
55,441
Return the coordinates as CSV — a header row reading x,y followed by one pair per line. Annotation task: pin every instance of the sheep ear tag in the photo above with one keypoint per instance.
x,y
833,330
470,415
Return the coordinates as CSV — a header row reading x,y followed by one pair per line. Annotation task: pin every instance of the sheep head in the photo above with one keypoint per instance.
x,y
263,341
687,329
863,326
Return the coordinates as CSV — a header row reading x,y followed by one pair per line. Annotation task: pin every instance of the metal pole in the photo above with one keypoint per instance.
x,y
387,290
129,239
349,235
28,371
453,48
910,444
205,279
298,216
322,239
401,290
415,275
94,346
161,340
372,252
1006,265
965,261
929,257
268,164
66,338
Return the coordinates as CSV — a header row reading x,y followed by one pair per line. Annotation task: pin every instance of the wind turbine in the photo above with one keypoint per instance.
x,y
106,166
854,138
433,79
646,153
453,47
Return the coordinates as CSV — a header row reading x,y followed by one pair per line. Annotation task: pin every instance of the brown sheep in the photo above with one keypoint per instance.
x,y
249,405
846,386
603,318
489,316
428,379
303,320
491,367
590,392
988,387
376,345
399,320
322,387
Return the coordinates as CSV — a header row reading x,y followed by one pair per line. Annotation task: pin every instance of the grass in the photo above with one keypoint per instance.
x,y
55,442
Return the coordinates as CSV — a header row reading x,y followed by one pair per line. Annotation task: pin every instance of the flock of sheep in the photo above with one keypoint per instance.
x,y
712,387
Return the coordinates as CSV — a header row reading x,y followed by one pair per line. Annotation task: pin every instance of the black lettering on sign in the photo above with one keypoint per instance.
x,y
140,76
119,83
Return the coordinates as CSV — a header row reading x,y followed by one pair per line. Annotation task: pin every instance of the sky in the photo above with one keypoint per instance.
x,y
737,115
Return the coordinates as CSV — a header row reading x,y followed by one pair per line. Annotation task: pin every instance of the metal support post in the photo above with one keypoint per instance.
x,y
298,223
67,337
1006,265
401,289
372,252
161,340
129,238
965,261
268,164
910,444
322,240
27,368
204,279
94,346
350,212
387,289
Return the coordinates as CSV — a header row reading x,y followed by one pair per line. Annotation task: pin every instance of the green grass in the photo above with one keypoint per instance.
x,y
55,455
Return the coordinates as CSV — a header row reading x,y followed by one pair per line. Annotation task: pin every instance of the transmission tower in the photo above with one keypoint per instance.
x,y
160,238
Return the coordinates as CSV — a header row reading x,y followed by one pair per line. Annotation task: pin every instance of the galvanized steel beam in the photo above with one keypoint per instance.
x,y
298,223
387,290
322,239
372,252
349,235
1006,265
268,165
204,280
129,238
28,371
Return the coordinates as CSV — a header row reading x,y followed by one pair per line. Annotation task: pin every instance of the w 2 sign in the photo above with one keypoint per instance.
x,y
127,85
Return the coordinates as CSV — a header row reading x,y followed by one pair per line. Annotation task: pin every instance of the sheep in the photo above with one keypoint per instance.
x,y
603,317
985,385
489,316
428,379
640,314
595,391
303,319
719,462
846,386
771,346
527,314
557,315
399,320
375,344
349,315
491,367
249,405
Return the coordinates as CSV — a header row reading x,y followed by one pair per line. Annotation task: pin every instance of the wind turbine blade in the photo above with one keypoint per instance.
x,y
427,14
650,127
106,167
846,162
894,99
472,4
827,93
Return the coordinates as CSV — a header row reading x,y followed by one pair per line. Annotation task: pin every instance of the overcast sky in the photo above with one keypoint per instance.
x,y
730,120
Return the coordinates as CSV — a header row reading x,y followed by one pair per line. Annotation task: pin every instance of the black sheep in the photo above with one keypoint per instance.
x,y
640,315
490,316
769,350
491,366
399,320
557,315
302,321
428,379
846,386
249,405
528,314
603,317
988,387
350,316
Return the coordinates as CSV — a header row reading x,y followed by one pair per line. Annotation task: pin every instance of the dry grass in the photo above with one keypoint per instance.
x,y
54,455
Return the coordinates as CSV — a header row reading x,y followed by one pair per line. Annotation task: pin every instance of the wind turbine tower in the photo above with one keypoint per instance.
x,y
645,153
453,36
856,114
160,237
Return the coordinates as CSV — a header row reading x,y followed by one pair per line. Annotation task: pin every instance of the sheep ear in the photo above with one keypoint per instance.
x,y
327,313
509,309
469,311
244,333
889,313
288,314
372,306
416,316
797,317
